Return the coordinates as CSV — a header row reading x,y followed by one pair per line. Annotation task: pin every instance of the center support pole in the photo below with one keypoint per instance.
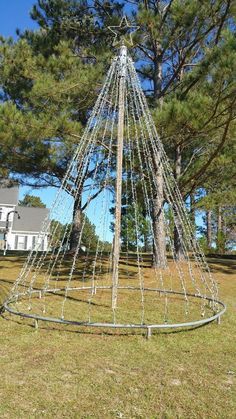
x,y
119,164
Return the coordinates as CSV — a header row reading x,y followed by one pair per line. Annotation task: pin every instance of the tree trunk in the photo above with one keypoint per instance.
x,y
159,239
209,228
178,234
77,224
145,243
192,211
178,231
221,241
157,78
219,220
224,227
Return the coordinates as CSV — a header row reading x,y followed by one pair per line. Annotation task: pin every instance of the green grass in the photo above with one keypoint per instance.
x,y
75,373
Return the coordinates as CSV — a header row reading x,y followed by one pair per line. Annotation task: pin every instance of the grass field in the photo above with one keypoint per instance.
x,y
72,373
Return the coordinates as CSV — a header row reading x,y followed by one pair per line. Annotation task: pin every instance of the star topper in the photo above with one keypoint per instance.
x,y
122,30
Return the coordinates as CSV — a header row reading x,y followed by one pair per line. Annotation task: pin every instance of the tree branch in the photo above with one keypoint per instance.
x,y
166,11
99,142
91,198
223,18
203,169
146,52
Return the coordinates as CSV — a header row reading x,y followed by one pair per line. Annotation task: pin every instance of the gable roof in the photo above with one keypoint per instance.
x,y
9,195
31,219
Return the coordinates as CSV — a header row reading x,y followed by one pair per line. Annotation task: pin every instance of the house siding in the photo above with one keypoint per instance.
x,y
24,231
4,210
30,241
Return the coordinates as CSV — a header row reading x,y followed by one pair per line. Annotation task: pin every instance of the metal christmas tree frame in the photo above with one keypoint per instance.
x,y
118,289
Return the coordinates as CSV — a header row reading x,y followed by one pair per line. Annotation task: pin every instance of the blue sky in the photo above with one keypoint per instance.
x,y
15,14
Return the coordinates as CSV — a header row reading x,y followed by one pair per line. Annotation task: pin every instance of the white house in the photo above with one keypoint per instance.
x,y
24,223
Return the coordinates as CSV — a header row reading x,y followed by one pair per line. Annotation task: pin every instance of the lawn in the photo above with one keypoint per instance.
x,y
75,373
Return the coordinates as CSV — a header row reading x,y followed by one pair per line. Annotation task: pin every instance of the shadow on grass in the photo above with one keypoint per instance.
x,y
58,294
226,266
218,263
85,275
95,331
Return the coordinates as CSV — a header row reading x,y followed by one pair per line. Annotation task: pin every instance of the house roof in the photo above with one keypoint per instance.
x,y
31,219
9,195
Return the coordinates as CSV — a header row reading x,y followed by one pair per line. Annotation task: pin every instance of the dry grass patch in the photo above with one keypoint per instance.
x,y
77,373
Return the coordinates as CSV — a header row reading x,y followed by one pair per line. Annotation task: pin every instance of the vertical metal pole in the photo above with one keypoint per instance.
x,y
5,234
5,244
149,332
7,229
119,163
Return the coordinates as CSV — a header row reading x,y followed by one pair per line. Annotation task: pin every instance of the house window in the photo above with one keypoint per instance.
x,y
22,242
1,214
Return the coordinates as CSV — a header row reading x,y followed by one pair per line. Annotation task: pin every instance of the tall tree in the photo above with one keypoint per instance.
x,y
31,201
218,199
188,54
89,237
185,53
49,84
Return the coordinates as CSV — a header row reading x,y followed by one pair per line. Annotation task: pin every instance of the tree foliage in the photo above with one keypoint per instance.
x,y
32,201
60,234
185,55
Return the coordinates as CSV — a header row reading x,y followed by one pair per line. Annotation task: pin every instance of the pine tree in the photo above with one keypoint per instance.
x,y
189,54
218,199
31,201
185,52
49,84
